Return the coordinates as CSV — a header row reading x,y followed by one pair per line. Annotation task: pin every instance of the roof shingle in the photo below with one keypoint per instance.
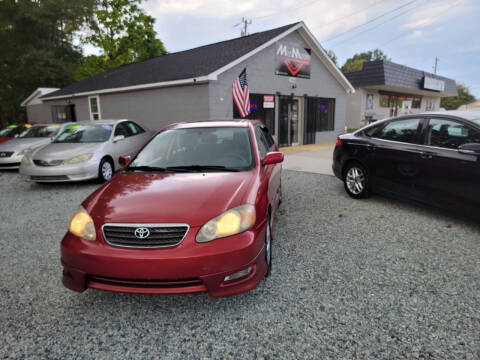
x,y
186,64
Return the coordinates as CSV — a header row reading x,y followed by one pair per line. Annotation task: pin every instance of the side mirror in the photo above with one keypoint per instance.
x,y
470,149
124,160
118,138
273,157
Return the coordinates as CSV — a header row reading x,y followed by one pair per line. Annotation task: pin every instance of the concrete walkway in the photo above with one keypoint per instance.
x,y
315,158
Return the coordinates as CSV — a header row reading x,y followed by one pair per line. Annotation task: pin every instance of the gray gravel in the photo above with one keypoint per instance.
x,y
352,280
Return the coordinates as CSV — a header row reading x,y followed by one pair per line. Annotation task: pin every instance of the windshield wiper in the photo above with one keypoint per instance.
x,y
145,168
195,168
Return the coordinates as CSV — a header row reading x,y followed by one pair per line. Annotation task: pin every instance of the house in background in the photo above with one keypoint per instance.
x,y
385,89
295,89
36,111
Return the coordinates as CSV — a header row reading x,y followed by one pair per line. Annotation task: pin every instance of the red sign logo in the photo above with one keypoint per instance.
x,y
295,65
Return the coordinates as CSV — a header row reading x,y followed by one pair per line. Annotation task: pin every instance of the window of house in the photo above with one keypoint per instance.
x,y
94,105
450,134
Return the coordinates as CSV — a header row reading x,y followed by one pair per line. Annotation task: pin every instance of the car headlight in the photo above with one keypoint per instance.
x,y
231,222
25,160
82,225
79,159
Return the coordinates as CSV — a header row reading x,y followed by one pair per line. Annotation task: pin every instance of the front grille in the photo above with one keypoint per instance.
x,y
10,165
5,154
47,163
146,283
159,235
46,178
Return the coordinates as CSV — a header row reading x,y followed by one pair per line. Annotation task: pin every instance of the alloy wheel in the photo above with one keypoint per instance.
x,y
107,170
355,180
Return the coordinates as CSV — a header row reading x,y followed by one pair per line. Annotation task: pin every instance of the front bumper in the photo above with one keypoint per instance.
x,y
186,268
11,162
60,173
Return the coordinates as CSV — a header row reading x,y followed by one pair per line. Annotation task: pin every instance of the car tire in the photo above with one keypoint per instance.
x,y
268,247
280,195
105,170
356,181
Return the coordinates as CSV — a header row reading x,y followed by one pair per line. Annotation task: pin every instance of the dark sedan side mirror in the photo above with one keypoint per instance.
x,y
274,157
124,160
470,148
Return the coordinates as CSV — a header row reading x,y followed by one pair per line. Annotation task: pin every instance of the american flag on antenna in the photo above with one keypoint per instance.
x,y
241,95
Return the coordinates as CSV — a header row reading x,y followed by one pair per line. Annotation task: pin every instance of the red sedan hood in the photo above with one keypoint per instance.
x,y
5,139
191,198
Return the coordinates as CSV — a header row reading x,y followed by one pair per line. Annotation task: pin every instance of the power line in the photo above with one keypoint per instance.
x,y
378,25
410,31
370,21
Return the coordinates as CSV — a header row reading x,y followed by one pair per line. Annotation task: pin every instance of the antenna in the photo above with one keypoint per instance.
x,y
245,24
436,65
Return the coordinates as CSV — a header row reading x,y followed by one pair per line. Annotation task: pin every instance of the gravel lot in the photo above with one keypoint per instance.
x,y
352,280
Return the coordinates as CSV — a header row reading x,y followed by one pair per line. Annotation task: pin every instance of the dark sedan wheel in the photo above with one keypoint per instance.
x,y
268,247
105,170
355,179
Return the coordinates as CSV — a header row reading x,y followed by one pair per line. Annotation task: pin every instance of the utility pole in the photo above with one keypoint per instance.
x,y
245,23
436,65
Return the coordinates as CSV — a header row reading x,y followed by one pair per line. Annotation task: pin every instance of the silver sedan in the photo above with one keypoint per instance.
x,y
85,150
11,152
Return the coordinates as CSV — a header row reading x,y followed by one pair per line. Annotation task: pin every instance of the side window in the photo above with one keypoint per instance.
x,y
371,131
121,130
261,142
399,130
268,138
133,128
450,134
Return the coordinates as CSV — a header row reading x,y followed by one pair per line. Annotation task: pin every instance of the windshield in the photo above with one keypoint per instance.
x,y
40,131
85,134
9,131
217,148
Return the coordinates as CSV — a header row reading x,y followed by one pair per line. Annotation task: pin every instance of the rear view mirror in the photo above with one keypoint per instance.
x,y
118,138
273,158
124,160
470,148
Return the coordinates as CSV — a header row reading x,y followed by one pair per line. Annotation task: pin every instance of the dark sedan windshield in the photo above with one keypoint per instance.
x,y
40,131
197,149
85,134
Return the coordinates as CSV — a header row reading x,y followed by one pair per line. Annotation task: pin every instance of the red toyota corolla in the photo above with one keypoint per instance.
x,y
191,212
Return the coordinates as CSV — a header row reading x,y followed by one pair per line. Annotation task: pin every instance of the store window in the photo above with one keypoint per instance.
x,y
397,101
258,112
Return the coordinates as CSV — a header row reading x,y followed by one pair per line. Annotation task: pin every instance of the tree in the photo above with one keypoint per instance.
x,y
332,56
454,102
125,35
355,63
37,48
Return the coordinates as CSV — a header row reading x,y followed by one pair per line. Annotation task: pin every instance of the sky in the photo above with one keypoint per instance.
x,y
410,32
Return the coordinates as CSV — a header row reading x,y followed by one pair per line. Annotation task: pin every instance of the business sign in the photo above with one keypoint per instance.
x,y
292,60
433,84
268,101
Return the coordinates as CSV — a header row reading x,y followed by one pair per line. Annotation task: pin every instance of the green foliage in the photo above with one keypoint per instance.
x,y
355,63
454,102
37,48
125,35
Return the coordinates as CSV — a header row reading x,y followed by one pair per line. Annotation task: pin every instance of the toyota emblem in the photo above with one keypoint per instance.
x,y
142,232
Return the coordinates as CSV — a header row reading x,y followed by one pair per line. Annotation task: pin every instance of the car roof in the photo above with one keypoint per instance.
x,y
214,123
472,115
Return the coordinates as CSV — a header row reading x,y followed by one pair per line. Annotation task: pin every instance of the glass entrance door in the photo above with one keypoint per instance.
x,y
289,119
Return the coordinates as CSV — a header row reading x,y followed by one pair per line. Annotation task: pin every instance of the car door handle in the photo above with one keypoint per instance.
x,y
371,148
426,155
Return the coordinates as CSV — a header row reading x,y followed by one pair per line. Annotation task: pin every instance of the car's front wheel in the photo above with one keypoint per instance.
x,y
268,247
356,182
105,170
